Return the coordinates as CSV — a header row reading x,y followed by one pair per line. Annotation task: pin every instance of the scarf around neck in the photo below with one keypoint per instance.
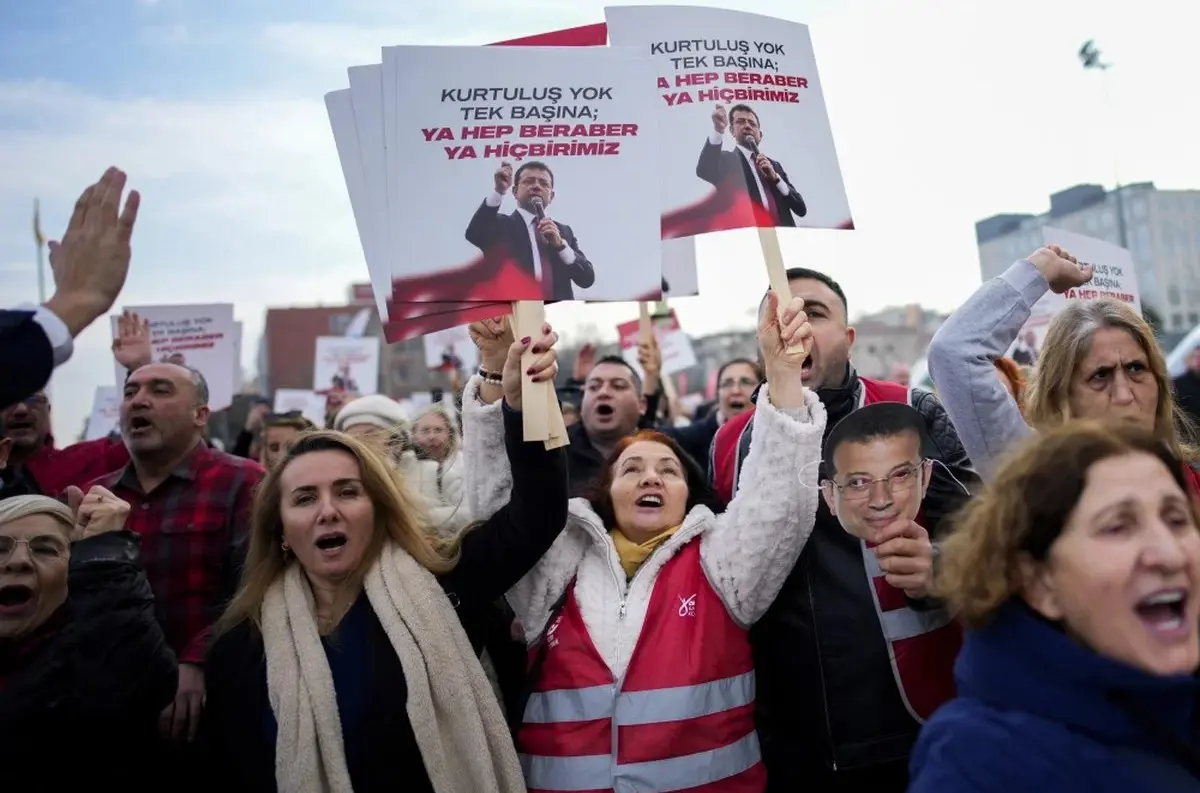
x,y
461,733
633,554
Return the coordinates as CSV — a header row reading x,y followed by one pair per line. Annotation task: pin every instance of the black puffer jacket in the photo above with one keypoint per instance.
x,y
80,701
826,696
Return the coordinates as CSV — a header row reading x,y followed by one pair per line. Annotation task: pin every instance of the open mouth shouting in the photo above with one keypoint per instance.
x,y
605,411
806,367
15,599
139,425
649,501
331,545
1164,613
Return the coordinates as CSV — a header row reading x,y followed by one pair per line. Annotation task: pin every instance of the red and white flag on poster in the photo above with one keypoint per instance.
x,y
673,343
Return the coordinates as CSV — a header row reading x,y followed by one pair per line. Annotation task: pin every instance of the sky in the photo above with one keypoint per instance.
x,y
943,113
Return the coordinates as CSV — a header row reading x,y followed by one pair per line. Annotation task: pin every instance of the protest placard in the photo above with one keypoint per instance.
x,y
745,135
310,404
197,336
674,345
451,348
1115,276
106,413
512,151
348,364
360,129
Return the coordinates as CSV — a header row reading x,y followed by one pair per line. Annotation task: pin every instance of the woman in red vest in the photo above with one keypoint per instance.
x,y
637,617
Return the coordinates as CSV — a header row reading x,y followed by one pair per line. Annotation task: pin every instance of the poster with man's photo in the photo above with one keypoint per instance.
x,y
745,136
346,364
528,174
1115,277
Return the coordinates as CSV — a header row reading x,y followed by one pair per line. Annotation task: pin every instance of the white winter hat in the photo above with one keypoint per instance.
x,y
376,410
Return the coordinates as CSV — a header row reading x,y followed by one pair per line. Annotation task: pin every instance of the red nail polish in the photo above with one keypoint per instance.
x,y
530,371
526,340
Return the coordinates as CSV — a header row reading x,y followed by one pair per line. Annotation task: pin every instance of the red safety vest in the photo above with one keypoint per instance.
x,y
682,717
923,645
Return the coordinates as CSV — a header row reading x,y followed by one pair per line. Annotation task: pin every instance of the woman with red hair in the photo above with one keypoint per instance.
x,y
637,617
1012,378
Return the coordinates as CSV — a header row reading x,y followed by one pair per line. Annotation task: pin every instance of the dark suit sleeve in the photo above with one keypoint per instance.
x,y
484,229
582,273
793,200
507,545
710,165
26,356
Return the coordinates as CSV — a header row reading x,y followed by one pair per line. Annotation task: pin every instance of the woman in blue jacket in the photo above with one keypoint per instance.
x,y
1077,574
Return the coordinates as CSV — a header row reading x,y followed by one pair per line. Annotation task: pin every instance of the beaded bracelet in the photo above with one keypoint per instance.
x,y
490,377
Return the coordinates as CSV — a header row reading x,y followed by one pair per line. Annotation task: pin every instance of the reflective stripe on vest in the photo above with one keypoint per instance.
x,y
597,772
907,622
681,717
640,707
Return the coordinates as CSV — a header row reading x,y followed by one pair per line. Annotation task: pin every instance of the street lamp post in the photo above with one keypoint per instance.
x,y
1089,56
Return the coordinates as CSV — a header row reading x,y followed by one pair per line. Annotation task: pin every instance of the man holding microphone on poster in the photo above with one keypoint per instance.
x,y
541,246
746,167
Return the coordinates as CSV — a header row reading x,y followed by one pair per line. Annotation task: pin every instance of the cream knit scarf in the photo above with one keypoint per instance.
x,y
460,731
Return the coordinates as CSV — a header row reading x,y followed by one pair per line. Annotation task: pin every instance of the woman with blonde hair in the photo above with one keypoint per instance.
x,y
638,617
1077,574
1099,360
348,658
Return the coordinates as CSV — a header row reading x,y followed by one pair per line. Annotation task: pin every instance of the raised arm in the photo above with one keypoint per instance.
x,y
496,554
963,352
757,540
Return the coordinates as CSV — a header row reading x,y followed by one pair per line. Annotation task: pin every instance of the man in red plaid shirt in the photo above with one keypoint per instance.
x,y
191,507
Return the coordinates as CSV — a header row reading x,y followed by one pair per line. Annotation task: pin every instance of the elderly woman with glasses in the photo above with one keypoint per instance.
x,y
84,667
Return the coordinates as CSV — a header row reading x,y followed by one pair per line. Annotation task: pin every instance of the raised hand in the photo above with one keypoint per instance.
x,y
132,348
585,359
785,340
720,119
91,262
1060,269
503,178
492,337
544,368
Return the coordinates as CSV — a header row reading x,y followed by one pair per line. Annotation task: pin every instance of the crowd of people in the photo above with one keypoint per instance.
x,y
823,582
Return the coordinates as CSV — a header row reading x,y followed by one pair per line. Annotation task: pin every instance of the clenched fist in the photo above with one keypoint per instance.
x,y
720,119
503,178
96,513
1060,269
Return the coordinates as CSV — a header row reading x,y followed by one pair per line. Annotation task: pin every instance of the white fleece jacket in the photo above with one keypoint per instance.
x,y
747,551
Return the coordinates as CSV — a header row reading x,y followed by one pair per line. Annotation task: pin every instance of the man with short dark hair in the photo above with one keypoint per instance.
x,y
543,247
191,507
613,404
746,168
835,709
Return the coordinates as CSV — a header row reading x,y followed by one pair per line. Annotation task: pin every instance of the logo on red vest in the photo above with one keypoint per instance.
x,y
687,606
551,639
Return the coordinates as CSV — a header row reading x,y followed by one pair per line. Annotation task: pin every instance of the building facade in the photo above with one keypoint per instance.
x,y
1161,229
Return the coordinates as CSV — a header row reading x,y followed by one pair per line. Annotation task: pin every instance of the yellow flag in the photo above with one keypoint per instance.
x,y
37,223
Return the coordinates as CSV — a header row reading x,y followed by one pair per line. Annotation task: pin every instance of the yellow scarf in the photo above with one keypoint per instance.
x,y
632,554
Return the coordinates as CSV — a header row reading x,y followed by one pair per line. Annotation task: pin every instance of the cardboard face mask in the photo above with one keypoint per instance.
x,y
877,469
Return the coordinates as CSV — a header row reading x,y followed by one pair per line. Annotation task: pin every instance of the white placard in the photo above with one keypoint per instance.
x,y
354,363
310,404
674,345
452,342
1115,276
197,336
763,73
106,413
